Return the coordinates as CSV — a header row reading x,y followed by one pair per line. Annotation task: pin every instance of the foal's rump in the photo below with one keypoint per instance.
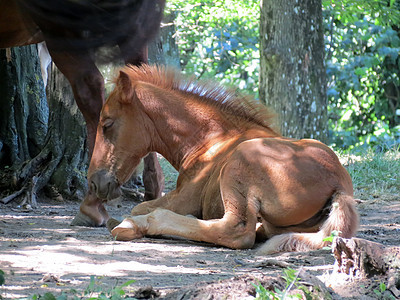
x,y
302,187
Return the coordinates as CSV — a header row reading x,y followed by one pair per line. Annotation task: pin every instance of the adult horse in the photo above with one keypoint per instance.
x,y
72,29
238,178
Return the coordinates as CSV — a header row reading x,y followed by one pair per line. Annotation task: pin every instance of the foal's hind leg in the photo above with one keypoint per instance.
x,y
235,230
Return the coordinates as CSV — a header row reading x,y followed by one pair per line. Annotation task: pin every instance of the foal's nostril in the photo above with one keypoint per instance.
x,y
104,185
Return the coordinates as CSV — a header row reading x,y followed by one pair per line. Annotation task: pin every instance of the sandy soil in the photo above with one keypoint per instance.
x,y
40,252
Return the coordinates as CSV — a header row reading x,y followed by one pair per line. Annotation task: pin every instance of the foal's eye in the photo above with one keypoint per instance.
x,y
107,125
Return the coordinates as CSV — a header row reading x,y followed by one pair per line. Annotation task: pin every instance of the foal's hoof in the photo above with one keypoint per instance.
x,y
112,223
83,220
126,231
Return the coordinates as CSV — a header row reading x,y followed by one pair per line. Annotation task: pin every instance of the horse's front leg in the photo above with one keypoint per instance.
x,y
88,87
153,177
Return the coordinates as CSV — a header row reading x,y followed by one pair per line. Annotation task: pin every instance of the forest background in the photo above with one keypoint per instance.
x,y
220,40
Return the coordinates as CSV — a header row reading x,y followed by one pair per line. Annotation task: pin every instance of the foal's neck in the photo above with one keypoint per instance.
x,y
184,126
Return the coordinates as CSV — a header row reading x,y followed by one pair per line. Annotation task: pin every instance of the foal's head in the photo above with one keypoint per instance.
x,y
121,140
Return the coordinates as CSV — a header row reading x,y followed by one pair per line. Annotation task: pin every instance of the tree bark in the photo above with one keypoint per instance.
x,y
164,50
359,258
67,138
292,73
24,111
38,149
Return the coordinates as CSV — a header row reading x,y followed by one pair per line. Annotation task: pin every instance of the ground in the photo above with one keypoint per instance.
x,y
40,252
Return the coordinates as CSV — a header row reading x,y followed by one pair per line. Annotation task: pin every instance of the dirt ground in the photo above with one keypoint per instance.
x,y
40,252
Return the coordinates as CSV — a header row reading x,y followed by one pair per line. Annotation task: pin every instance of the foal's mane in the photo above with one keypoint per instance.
x,y
229,101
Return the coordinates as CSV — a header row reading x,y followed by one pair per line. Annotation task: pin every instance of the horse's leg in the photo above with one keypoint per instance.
x,y
88,87
153,177
237,228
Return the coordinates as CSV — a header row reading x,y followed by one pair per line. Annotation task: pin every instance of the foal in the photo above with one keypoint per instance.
x,y
237,176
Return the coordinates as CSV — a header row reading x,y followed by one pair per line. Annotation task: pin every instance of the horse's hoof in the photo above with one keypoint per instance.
x,y
112,223
83,220
126,231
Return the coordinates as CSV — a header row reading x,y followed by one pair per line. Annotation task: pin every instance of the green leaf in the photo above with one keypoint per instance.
x,y
129,282
48,296
382,287
360,71
2,277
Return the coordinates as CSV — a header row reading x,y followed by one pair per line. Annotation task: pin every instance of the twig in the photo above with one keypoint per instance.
x,y
11,197
272,262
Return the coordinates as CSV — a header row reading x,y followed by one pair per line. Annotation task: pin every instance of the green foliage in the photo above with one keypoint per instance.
x,y
380,292
385,12
291,280
94,291
219,40
363,45
2,277
330,238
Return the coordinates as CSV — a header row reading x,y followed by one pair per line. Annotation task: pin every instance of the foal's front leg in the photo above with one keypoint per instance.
x,y
237,228
172,201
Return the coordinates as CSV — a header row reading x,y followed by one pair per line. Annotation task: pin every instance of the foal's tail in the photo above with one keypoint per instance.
x,y
343,218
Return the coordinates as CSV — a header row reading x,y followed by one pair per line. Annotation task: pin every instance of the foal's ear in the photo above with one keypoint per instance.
x,y
126,88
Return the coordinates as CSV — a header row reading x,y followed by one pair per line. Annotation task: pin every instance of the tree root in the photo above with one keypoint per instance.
x,y
28,193
32,178
359,258
11,197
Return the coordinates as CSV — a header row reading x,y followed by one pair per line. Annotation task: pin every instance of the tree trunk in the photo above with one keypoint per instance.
x,y
164,50
292,74
67,138
24,111
38,149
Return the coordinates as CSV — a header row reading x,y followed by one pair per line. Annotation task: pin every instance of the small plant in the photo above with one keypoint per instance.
x,y
330,238
382,289
381,292
2,279
291,279
94,291
114,293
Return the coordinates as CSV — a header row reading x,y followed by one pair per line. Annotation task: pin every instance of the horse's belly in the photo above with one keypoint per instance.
x,y
292,210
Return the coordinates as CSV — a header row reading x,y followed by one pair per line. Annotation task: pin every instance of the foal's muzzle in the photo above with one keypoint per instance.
x,y
105,185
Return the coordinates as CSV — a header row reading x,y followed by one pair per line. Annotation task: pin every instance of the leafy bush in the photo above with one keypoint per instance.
x,y
219,40
363,46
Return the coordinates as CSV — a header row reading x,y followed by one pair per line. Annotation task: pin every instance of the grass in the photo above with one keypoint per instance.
x,y
171,175
374,175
